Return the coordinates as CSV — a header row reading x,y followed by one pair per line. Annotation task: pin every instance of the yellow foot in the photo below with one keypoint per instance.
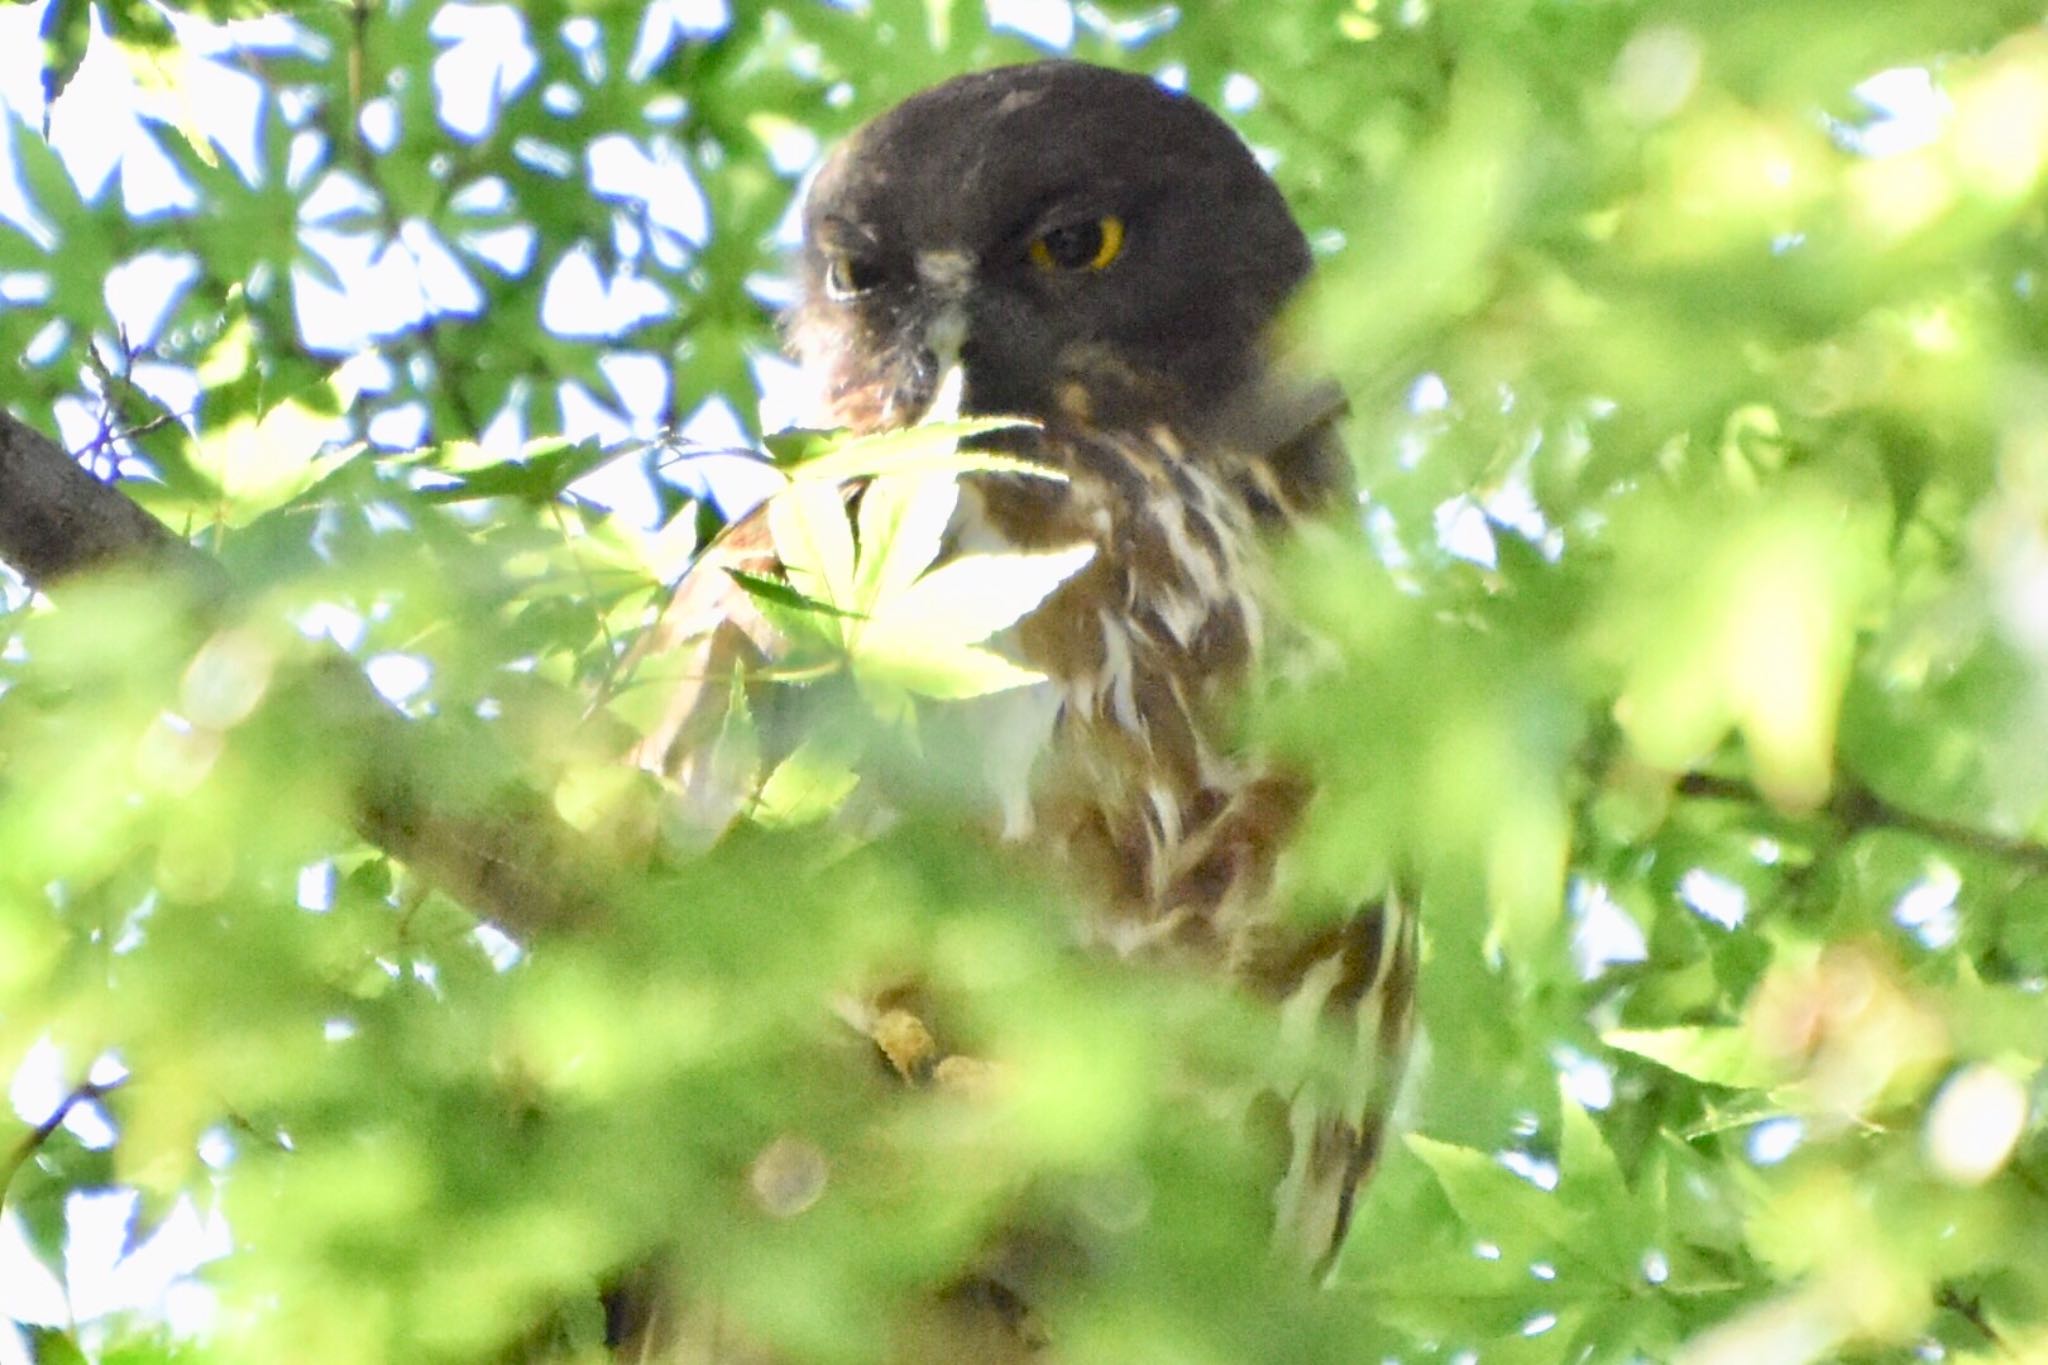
x,y
907,1043
970,1077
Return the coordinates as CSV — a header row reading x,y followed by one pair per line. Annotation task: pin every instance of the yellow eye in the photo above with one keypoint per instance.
x,y
1080,246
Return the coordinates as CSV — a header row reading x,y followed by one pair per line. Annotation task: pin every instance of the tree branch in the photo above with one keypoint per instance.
x,y
512,860
57,520
1855,807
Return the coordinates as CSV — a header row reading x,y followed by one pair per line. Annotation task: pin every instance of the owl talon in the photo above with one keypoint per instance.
x,y
973,1078
907,1044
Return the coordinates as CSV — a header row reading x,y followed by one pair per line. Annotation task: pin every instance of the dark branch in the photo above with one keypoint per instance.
x,y
505,853
57,520
1854,807
511,860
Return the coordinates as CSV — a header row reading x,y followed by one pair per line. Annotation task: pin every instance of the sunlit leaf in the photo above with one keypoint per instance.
x,y
1682,660
903,519
806,786
930,449
946,672
968,599
814,541
770,591
1720,1056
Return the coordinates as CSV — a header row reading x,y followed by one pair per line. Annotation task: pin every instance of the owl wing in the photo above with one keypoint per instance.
x,y
709,638
1355,984
1356,979
1167,823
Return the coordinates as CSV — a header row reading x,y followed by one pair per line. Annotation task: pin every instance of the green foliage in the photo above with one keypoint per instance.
x,y
1695,670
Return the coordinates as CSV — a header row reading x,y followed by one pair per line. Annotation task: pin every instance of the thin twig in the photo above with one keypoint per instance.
x,y
1972,1312
32,1141
154,424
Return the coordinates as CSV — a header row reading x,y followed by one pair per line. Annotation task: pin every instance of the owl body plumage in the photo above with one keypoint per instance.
x,y
1171,833
1104,258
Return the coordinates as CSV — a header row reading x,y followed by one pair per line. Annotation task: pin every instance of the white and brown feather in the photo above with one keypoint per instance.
x,y
1186,452
1121,766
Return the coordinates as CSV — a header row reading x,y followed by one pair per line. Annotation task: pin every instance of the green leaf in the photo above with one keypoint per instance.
x,y
140,24
926,637
929,449
968,599
1493,1201
902,523
37,1195
814,541
542,472
941,672
807,786
782,595
260,463
1585,1158
67,30
1724,1055
733,765
52,1347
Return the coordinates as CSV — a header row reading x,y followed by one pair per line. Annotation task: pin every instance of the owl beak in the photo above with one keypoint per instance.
x,y
945,334
943,338
945,404
946,276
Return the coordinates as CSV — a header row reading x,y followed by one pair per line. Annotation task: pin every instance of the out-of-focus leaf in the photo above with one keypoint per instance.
x,y
54,1347
806,786
770,591
1689,670
1719,1056
940,671
540,475
261,463
1494,1203
67,29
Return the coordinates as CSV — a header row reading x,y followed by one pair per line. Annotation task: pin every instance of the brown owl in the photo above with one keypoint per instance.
x,y
1104,257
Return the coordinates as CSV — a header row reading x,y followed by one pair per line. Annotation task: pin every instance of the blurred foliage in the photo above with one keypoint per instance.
x,y
1697,665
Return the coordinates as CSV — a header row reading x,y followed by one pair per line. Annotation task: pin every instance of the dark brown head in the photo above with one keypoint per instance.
x,y
1086,242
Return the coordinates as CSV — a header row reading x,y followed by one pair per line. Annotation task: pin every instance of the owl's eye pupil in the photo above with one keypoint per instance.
x,y
846,276
1080,246
1074,245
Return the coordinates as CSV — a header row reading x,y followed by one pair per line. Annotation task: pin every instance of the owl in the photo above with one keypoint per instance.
x,y
1104,258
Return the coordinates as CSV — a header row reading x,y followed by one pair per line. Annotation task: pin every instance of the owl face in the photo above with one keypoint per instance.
x,y
1087,245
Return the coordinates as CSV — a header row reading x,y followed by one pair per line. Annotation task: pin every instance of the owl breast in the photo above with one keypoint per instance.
x,y
1135,788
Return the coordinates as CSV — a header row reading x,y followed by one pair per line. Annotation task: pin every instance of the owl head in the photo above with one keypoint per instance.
x,y
1085,243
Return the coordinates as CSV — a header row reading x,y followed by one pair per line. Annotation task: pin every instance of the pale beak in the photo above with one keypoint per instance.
x,y
947,275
